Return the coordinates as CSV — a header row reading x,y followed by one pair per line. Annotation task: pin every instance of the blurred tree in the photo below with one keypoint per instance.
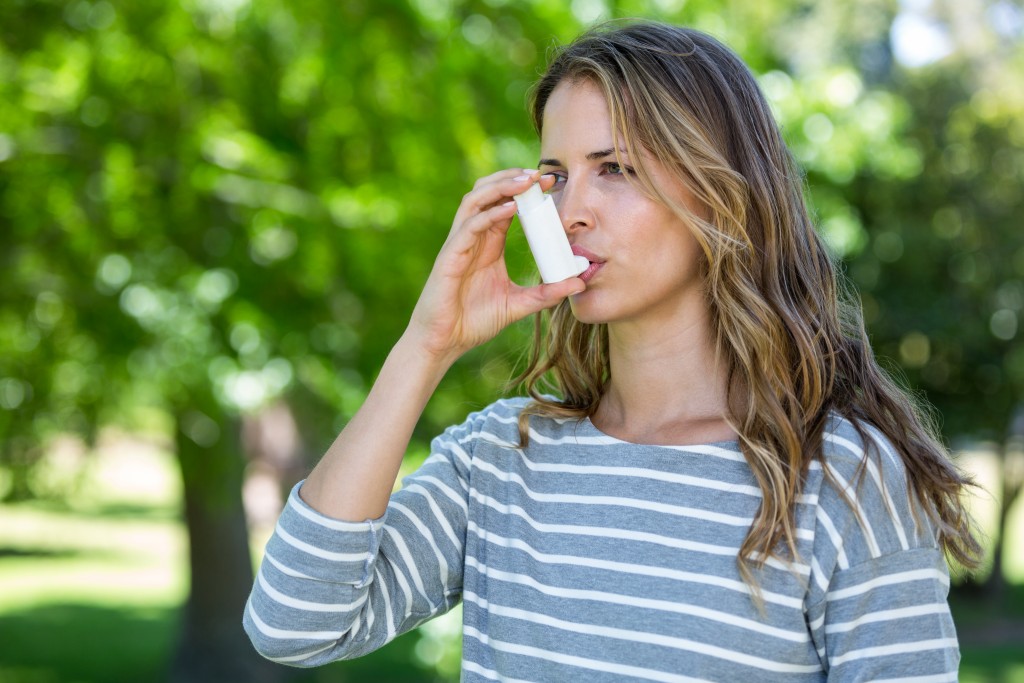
x,y
217,204
916,169
211,205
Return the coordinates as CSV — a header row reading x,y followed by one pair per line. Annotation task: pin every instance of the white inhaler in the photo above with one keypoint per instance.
x,y
547,240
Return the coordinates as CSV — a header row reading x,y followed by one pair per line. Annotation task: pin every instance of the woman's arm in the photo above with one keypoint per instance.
x,y
339,579
887,619
876,605
467,300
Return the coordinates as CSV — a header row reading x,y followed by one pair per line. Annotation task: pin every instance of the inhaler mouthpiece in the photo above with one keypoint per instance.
x,y
547,240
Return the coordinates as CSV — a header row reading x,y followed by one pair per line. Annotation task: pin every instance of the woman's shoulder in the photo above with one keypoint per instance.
x,y
497,422
850,447
863,492
503,411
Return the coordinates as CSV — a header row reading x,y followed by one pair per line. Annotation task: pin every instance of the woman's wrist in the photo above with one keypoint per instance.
x,y
413,349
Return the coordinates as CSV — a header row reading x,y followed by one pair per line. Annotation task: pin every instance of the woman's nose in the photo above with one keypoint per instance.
x,y
573,206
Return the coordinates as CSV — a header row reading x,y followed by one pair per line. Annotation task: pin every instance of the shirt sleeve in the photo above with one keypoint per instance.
x,y
329,589
877,607
888,620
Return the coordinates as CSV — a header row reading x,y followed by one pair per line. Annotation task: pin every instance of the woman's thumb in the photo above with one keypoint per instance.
x,y
547,295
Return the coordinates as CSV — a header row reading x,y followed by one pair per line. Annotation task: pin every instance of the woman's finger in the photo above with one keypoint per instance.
x,y
547,181
498,217
524,301
499,175
494,216
494,192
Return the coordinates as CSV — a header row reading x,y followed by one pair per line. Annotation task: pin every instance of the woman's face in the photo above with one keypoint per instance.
x,y
644,260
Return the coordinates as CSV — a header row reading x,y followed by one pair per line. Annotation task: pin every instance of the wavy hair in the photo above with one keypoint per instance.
x,y
785,322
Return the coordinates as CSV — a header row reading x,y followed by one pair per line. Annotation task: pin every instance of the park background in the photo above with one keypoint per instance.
x,y
216,215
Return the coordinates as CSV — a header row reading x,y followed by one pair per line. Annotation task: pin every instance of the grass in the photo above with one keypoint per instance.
x,y
91,583
60,643
90,586
1004,664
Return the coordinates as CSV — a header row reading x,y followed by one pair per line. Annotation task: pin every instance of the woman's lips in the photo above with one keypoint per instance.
x,y
589,272
596,262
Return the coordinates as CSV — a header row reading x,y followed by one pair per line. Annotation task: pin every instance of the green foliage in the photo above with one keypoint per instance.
x,y
242,199
210,205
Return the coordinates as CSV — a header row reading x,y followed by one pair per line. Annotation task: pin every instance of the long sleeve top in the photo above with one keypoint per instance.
x,y
583,556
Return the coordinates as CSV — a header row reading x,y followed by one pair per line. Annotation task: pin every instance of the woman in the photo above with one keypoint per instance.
x,y
725,485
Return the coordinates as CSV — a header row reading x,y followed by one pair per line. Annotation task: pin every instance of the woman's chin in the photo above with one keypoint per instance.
x,y
585,312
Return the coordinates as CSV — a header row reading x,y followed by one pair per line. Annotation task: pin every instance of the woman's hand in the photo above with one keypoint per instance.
x,y
469,298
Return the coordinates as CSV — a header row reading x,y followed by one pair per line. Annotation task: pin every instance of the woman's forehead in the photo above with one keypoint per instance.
x,y
576,120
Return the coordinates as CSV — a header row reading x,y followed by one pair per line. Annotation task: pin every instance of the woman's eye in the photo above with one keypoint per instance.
x,y
614,168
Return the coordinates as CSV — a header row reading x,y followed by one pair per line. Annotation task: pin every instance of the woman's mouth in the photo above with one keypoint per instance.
x,y
596,262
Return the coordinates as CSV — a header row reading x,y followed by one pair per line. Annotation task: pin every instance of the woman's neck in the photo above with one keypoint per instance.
x,y
666,386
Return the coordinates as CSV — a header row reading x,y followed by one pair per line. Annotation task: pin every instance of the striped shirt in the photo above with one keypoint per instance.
x,y
586,557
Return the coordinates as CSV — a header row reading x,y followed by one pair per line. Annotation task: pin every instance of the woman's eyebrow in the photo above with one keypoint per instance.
x,y
601,154
592,156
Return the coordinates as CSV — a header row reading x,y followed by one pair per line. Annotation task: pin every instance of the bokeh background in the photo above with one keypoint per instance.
x,y
216,215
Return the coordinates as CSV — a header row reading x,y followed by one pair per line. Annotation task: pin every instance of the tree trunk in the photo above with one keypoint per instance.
x,y
1011,478
19,457
20,490
212,646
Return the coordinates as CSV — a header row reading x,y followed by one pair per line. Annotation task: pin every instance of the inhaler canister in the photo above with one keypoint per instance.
x,y
547,240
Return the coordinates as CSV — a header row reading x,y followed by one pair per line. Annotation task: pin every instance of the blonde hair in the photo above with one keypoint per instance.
x,y
785,322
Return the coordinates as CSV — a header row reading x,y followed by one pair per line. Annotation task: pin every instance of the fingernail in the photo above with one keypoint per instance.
x,y
509,202
547,175
521,177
